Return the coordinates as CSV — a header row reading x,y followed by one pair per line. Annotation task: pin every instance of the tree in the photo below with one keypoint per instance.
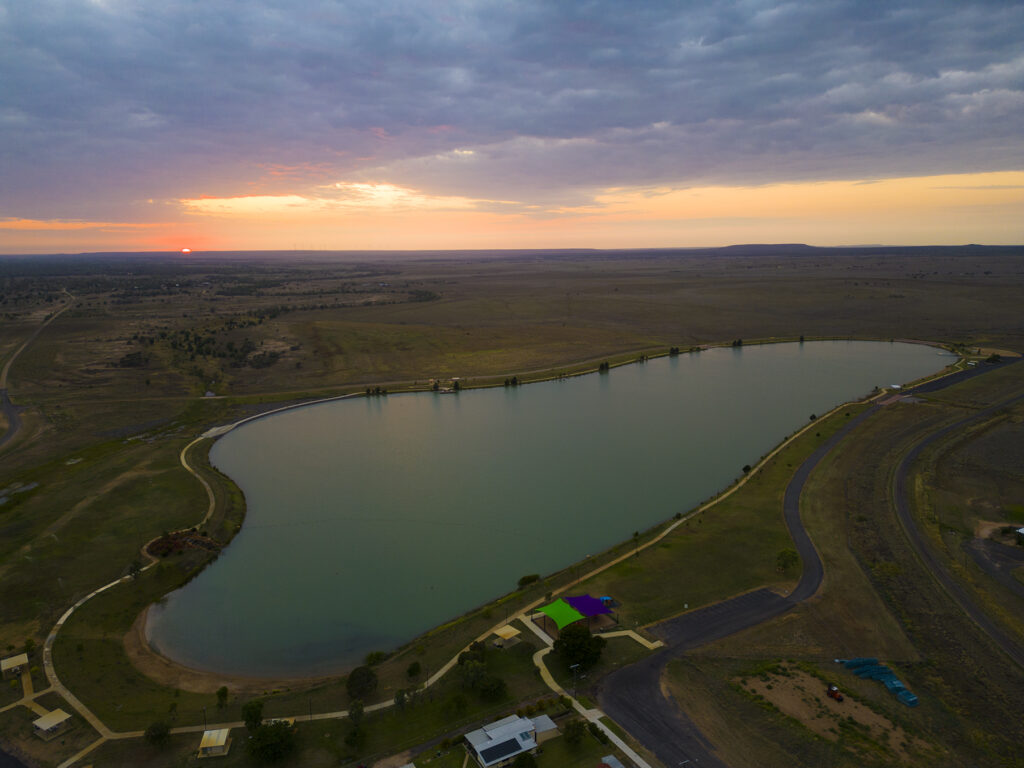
x,y
252,714
492,688
362,681
524,760
272,741
158,734
597,733
222,697
786,559
414,670
575,645
471,673
355,712
134,569
574,732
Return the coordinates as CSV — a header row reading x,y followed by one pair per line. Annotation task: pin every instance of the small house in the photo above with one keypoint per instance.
x,y
215,743
51,724
12,665
500,742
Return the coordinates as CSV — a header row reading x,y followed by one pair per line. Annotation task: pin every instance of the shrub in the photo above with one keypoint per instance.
x,y
158,734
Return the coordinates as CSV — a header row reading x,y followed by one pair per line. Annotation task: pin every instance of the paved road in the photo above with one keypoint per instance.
x,y
633,697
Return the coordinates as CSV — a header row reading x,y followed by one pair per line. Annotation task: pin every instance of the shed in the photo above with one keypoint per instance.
x,y
50,724
12,665
215,743
545,728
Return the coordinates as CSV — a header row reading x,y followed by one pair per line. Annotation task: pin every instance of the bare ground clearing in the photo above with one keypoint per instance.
x,y
800,695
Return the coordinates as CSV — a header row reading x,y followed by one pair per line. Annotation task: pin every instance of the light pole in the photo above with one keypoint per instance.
x,y
204,718
574,668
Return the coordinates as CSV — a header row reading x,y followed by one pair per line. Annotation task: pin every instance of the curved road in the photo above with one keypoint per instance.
x,y
632,696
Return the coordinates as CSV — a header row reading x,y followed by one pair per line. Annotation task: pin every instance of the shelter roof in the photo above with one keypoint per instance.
x,y
561,613
587,605
506,632
21,660
51,719
216,738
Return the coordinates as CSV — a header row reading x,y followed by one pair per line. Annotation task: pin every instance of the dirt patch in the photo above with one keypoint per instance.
x,y
801,696
987,529
173,675
395,761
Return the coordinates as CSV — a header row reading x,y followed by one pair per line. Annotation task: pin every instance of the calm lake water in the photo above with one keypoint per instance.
x,y
371,520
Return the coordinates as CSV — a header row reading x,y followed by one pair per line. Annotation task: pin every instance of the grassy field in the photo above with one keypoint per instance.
x,y
116,386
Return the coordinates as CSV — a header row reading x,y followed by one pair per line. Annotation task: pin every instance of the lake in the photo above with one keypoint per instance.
x,y
371,520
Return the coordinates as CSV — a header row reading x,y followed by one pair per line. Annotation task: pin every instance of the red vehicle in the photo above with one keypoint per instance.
x,y
833,693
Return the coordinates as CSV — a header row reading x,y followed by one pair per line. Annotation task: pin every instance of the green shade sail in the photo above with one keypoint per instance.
x,y
561,613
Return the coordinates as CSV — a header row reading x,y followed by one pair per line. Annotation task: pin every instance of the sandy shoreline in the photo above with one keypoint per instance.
x,y
162,670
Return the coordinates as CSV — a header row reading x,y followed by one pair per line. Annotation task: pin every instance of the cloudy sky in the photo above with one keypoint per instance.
x,y
238,124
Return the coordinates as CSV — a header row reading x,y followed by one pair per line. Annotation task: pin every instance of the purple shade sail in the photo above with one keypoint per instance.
x,y
587,605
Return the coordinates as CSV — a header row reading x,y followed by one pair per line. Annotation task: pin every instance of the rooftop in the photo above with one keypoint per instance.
x,y
21,660
51,720
216,738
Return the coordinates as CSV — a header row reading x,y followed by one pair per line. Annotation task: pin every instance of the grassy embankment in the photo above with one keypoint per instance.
x,y
876,600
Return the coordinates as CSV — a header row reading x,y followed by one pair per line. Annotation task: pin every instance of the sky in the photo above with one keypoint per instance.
x,y
326,124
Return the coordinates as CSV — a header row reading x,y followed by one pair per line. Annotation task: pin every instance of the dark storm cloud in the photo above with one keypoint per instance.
x,y
106,104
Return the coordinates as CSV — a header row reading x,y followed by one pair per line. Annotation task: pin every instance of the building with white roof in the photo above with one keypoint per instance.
x,y
499,742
